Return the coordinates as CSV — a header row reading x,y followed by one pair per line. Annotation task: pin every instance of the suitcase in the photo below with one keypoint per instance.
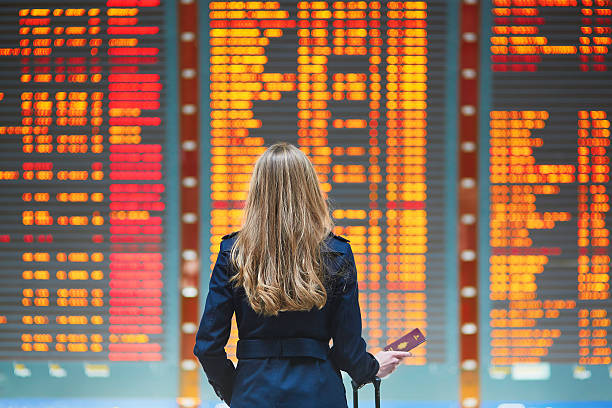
x,y
356,387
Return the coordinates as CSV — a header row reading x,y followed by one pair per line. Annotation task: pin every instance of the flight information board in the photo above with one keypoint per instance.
x,y
545,162
87,276
361,88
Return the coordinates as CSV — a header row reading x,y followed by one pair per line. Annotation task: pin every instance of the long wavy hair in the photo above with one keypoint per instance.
x,y
277,253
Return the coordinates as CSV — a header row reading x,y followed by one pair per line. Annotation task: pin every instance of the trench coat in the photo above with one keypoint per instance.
x,y
285,360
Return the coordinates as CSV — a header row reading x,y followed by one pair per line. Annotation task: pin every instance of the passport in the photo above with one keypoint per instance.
x,y
407,342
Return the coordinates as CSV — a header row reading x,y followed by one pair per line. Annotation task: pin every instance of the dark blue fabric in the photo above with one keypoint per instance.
x,y
292,347
287,380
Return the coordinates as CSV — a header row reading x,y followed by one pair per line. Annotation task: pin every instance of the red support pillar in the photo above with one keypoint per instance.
x,y
189,384
468,203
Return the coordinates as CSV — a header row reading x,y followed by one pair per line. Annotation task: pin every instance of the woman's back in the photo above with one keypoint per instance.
x,y
314,323
285,360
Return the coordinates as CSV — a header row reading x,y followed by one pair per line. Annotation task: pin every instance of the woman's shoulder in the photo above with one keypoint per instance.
x,y
227,241
338,272
230,235
335,243
335,249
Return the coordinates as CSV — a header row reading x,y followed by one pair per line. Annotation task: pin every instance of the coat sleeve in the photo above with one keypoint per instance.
x,y
214,331
349,348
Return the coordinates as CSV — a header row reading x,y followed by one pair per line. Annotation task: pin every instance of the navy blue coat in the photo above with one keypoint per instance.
x,y
285,360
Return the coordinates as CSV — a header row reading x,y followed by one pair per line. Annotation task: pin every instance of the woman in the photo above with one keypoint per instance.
x,y
293,287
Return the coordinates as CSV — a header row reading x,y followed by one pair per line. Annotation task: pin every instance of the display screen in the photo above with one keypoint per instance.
x,y
545,166
89,184
361,88
87,274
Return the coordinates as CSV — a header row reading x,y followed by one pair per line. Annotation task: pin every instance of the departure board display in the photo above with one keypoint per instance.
x,y
361,88
545,166
86,267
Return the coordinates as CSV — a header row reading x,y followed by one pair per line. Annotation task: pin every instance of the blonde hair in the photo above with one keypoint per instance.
x,y
277,253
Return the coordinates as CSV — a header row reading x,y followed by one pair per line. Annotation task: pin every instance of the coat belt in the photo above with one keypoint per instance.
x,y
289,347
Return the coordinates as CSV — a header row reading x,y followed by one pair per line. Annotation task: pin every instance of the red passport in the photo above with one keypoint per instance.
x,y
407,342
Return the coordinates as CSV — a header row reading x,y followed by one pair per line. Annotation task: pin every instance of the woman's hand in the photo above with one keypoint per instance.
x,y
389,360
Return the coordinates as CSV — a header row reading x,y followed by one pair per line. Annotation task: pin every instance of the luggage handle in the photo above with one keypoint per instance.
x,y
356,387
